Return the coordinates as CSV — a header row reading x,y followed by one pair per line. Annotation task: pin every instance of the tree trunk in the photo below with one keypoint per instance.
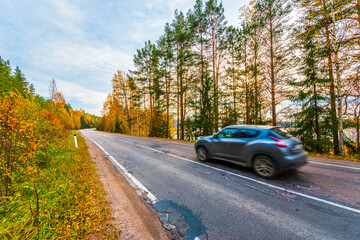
x,y
167,86
334,119
146,125
216,107
204,97
357,133
126,109
339,96
181,97
357,118
150,98
272,77
256,80
234,83
185,102
246,88
340,114
181,108
317,127
178,93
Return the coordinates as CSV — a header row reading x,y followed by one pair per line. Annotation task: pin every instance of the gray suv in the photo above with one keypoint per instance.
x,y
268,150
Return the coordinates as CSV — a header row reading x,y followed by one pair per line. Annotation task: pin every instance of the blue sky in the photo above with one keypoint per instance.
x,y
82,43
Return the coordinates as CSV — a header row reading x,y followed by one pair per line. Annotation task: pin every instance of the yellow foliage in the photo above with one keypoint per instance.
x,y
19,145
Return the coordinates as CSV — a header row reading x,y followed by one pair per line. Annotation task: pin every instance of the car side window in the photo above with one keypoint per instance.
x,y
276,132
247,133
227,133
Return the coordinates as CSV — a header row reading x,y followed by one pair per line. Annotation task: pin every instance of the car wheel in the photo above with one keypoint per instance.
x,y
265,167
293,170
202,154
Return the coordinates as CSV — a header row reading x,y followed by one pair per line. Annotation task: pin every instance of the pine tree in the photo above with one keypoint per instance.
x,y
319,13
310,119
255,67
231,82
5,77
216,31
19,82
204,117
145,73
243,58
166,65
183,40
273,19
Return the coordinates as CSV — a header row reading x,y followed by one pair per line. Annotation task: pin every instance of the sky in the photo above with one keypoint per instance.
x,y
81,43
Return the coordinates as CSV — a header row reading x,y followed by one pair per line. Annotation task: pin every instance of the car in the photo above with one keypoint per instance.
x,y
266,149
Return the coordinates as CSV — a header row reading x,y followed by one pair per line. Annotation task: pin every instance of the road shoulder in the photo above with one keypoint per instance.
x,y
334,160
131,215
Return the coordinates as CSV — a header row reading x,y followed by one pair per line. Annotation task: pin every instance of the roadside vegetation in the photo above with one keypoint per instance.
x,y
293,64
48,188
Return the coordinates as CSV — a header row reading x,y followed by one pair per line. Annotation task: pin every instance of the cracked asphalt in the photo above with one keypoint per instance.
x,y
226,201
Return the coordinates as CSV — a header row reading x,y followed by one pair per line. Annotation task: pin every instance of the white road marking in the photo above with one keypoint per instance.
x,y
335,165
165,141
221,170
253,180
189,145
139,185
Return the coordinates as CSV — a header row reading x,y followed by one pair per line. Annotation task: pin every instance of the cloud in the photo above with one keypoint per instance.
x,y
78,96
83,72
66,16
82,43
81,63
67,9
84,95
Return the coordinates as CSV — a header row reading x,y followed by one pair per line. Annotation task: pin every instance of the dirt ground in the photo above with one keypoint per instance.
x,y
130,213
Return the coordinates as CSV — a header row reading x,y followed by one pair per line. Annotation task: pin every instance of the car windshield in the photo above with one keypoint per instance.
x,y
280,133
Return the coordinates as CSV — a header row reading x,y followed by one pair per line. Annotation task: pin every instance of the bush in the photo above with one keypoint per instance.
x,y
65,200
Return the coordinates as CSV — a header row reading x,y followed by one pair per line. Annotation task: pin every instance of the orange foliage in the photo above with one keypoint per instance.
x,y
18,142
27,124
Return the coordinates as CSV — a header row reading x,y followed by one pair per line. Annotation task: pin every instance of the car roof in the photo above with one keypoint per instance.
x,y
253,127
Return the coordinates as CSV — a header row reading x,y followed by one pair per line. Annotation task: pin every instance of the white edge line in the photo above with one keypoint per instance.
x,y
234,174
334,165
273,186
138,184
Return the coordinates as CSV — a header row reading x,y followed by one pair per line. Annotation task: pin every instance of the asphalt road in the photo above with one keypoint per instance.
x,y
218,200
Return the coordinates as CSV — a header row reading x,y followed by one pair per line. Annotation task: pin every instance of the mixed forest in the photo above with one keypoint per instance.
x,y
45,182
294,64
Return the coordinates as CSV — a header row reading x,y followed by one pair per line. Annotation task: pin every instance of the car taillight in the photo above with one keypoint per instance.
x,y
279,142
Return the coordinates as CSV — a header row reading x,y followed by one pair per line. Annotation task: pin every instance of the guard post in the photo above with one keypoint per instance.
x,y
75,140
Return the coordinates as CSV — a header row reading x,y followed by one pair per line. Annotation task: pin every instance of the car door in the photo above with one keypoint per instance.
x,y
222,141
240,140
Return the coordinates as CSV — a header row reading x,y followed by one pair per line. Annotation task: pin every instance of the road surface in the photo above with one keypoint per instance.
x,y
218,200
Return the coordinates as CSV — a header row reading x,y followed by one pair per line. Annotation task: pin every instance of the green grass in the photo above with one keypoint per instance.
x,y
72,201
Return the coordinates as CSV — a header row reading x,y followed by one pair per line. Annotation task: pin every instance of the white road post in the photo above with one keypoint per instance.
x,y
75,140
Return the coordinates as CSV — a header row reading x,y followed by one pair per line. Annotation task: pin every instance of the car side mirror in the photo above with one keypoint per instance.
x,y
216,136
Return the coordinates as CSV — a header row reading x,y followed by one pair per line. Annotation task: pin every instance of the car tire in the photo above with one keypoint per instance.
x,y
293,170
265,167
202,154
